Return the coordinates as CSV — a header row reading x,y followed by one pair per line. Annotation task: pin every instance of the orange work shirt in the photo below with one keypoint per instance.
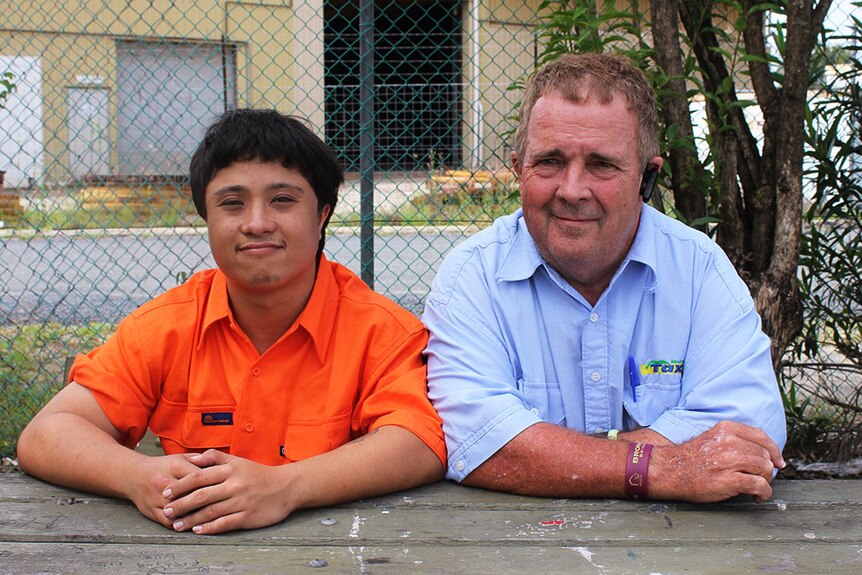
x,y
180,364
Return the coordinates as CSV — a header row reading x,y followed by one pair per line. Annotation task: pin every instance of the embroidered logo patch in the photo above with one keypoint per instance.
x,y
662,367
217,418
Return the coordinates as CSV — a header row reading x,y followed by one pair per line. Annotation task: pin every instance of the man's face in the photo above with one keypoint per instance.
x,y
579,185
264,226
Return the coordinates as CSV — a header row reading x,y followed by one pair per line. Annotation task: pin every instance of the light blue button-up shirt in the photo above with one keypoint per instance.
x,y
512,343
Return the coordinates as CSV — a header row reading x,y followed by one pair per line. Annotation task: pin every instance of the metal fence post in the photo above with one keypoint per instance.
x,y
366,140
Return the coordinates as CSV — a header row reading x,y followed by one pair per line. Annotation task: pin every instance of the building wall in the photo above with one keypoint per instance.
x,y
276,44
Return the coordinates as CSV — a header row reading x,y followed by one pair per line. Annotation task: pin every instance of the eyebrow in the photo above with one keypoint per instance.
x,y
610,159
269,187
543,154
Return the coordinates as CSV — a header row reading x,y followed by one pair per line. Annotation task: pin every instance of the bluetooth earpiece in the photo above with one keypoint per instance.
x,y
648,182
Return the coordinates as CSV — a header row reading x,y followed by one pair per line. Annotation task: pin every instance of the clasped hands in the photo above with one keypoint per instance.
x,y
212,492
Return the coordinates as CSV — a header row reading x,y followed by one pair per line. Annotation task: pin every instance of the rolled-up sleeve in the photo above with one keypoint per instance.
x,y
471,381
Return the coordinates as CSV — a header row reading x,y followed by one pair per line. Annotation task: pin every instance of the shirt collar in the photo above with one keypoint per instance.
x,y
317,318
523,257
643,248
217,305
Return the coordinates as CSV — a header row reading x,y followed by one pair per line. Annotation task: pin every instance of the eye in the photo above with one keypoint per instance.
x,y
230,203
283,199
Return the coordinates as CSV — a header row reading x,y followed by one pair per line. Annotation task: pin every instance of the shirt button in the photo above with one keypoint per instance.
x,y
534,411
596,376
249,427
594,317
459,466
256,371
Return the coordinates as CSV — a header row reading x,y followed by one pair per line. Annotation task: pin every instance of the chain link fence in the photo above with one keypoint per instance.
x,y
109,99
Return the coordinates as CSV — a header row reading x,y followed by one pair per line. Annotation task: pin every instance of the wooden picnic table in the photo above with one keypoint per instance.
x,y
810,526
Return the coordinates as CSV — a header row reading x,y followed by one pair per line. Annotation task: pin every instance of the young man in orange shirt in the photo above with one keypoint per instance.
x,y
277,357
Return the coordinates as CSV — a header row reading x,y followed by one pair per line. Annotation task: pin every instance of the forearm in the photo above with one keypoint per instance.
x,y
728,460
644,435
68,450
550,460
388,459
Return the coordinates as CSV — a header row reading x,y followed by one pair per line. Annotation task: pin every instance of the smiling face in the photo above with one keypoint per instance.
x,y
579,183
264,226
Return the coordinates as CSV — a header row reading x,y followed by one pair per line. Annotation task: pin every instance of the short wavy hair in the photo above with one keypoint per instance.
x,y
581,77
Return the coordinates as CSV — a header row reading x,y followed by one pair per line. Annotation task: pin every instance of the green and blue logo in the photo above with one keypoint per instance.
x,y
662,367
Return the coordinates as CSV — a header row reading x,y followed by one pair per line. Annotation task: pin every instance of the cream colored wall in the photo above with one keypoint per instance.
x,y
279,57
505,54
76,39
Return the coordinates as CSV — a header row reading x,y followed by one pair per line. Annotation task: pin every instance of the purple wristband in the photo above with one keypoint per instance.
x,y
637,468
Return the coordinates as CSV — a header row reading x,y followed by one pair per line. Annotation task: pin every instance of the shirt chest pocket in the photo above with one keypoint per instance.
x,y
653,399
304,439
194,429
543,399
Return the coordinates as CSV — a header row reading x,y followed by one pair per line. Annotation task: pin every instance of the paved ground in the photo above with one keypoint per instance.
x,y
76,277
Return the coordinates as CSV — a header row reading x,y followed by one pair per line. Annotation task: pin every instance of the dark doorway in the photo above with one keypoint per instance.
x,y
417,83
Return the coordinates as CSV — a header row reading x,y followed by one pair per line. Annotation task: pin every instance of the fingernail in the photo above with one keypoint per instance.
x,y
169,511
178,525
197,528
167,492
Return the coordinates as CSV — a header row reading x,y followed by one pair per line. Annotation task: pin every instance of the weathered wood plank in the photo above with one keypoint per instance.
x,y
809,527
557,525
99,559
788,493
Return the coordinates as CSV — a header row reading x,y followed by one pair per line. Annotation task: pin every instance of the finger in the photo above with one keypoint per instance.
x,y
158,515
760,437
209,458
194,482
221,524
759,465
182,512
204,515
754,485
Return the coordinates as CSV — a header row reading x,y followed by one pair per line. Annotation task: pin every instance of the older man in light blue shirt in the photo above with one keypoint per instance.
x,y
590,316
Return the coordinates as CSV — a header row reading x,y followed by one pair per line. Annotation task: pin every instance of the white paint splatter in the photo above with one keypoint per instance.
x,y
358,557
357,523
586,554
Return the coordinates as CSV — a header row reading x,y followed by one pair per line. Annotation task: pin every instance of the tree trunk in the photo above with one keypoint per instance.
x,y
690,191
760,193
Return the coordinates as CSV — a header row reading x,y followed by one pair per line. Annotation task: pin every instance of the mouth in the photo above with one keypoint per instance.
x,y
574,219
259,248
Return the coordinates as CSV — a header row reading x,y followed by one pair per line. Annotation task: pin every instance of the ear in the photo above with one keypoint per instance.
x,y
515,165
322,214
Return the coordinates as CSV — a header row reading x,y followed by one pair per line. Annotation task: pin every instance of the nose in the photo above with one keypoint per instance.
x,y
258,220
574,185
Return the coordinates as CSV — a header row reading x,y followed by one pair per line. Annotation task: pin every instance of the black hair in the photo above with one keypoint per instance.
x,y
247,135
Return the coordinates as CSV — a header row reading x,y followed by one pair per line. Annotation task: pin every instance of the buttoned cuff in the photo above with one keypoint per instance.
x,y
487,441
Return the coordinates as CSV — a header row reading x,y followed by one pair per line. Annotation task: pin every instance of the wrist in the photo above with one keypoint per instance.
x,y
637,470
